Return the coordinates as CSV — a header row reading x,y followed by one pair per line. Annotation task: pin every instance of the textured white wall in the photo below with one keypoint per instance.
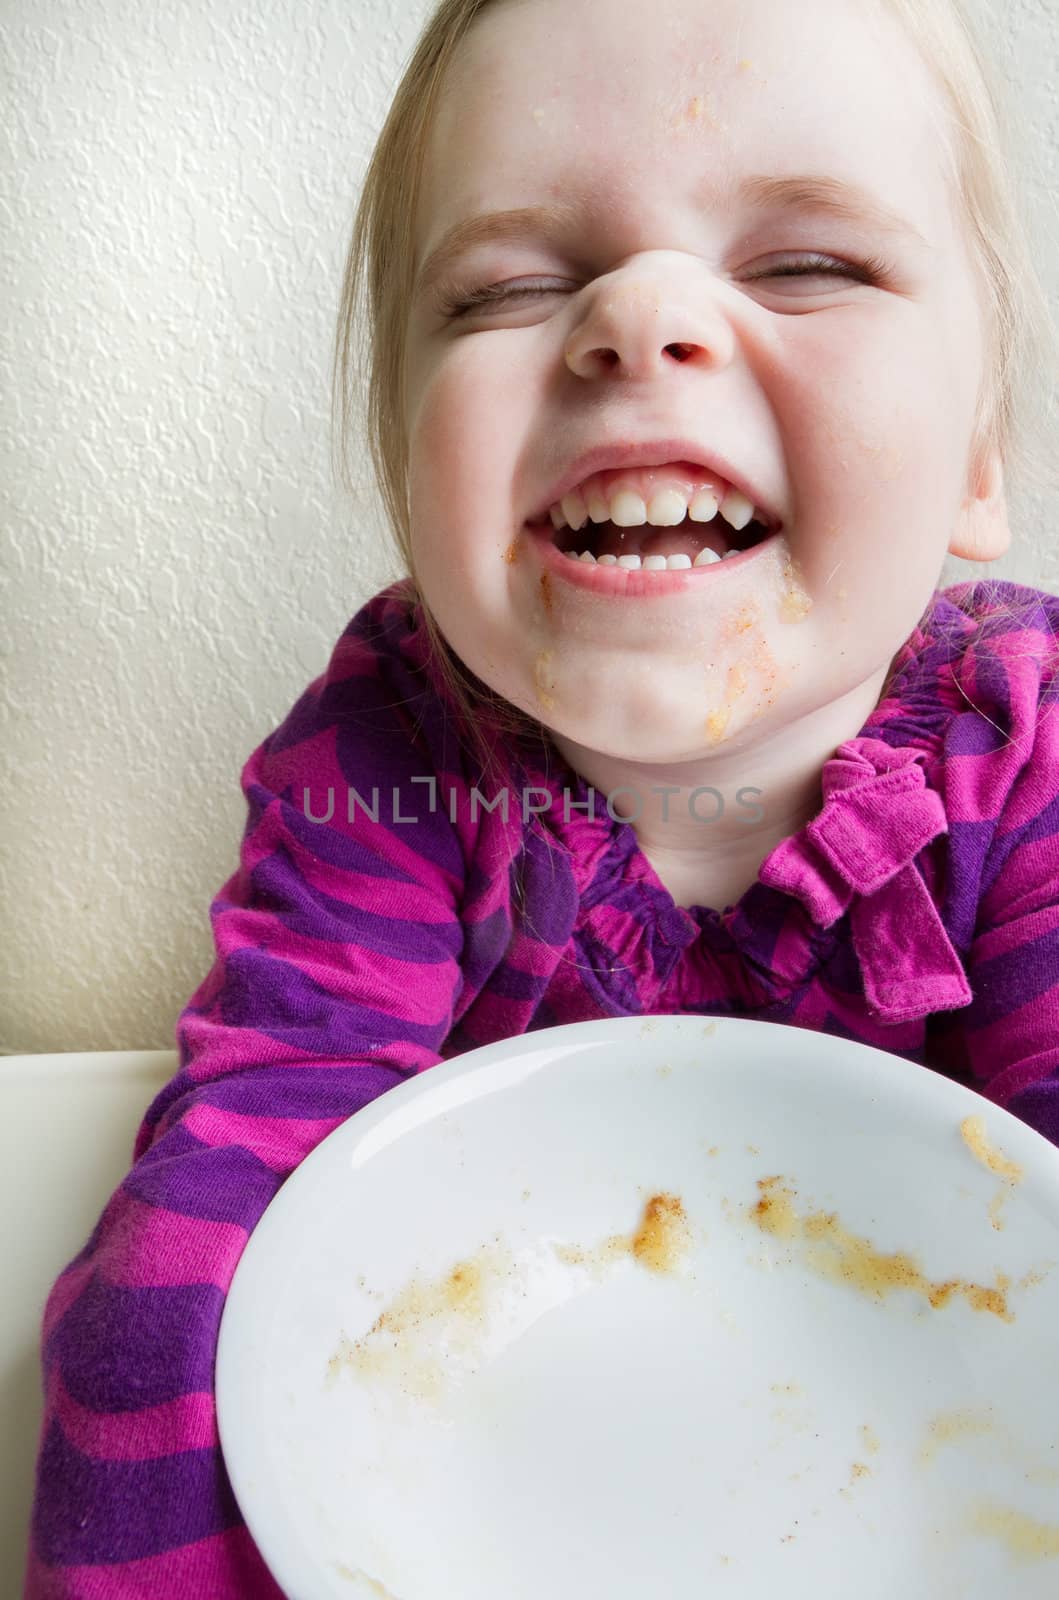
x,y
177,186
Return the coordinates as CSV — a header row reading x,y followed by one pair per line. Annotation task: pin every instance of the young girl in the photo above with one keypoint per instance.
x,y
696,331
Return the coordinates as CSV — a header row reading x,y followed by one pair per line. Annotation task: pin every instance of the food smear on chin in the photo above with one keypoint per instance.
x,y
795,604
744,619
736,681
716,723
753,676
735,688
544,679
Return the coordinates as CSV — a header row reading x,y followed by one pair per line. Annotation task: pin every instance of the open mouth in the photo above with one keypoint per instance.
x,y
688,538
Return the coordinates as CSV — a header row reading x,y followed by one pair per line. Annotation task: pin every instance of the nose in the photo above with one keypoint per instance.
x,y
639,319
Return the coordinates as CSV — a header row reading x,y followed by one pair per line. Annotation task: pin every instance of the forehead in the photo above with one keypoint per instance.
x,y
676,99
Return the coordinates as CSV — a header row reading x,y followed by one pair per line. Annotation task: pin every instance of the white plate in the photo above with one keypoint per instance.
x,y
656,1307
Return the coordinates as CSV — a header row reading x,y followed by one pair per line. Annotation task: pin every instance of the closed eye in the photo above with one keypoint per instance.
x,y
871,271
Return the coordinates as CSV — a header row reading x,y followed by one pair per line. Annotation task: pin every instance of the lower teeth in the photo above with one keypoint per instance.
x,y
680,561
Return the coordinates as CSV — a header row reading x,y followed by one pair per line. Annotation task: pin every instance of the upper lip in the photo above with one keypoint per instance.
x,y
656,453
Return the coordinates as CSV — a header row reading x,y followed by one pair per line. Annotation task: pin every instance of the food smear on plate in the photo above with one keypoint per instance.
x,y
1025,1537
849,1259
952,1427
663,1237
661,1242
365,1583
974,1136
428,1328
435,1330
857,1471
975,1424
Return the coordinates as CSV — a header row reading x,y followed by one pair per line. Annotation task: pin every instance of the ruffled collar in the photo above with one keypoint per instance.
x,y
858,854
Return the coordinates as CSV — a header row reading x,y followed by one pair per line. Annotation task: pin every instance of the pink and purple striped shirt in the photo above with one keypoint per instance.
x,y
918,912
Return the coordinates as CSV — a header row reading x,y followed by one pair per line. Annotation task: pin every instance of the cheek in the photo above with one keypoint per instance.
x,y
438,443
860,369
465,437
437,488
877,424
463,515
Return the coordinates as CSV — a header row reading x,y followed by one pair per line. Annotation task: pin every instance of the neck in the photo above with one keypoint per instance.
x,y
707,825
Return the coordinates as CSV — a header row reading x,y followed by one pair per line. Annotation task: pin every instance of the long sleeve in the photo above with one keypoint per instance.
x,y
337,968
1008,1040
1004,791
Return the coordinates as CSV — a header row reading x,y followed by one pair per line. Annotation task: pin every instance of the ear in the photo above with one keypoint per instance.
x,y
982,532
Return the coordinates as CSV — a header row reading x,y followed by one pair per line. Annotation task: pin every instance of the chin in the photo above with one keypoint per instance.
x,y
639,743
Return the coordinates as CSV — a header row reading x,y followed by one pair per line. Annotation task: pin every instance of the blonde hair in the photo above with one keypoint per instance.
x,y
1014,405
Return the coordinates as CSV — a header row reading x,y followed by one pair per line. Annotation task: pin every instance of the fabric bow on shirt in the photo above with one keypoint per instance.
x,y
858,855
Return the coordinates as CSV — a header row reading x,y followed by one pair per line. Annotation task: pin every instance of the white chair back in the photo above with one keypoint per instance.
x,y
67,1126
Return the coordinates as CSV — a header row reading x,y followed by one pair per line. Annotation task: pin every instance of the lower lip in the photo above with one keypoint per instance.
x,y
631,583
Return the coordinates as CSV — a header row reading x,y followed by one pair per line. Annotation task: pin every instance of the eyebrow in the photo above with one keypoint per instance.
x,y
826,196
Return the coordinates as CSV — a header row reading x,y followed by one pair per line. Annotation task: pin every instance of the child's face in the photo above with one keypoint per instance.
x,y
850,406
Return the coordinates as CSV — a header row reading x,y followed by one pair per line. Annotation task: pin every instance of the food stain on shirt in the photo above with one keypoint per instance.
x,y
846,1258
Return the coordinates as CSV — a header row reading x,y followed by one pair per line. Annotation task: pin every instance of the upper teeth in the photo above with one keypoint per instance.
x,y
665,508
